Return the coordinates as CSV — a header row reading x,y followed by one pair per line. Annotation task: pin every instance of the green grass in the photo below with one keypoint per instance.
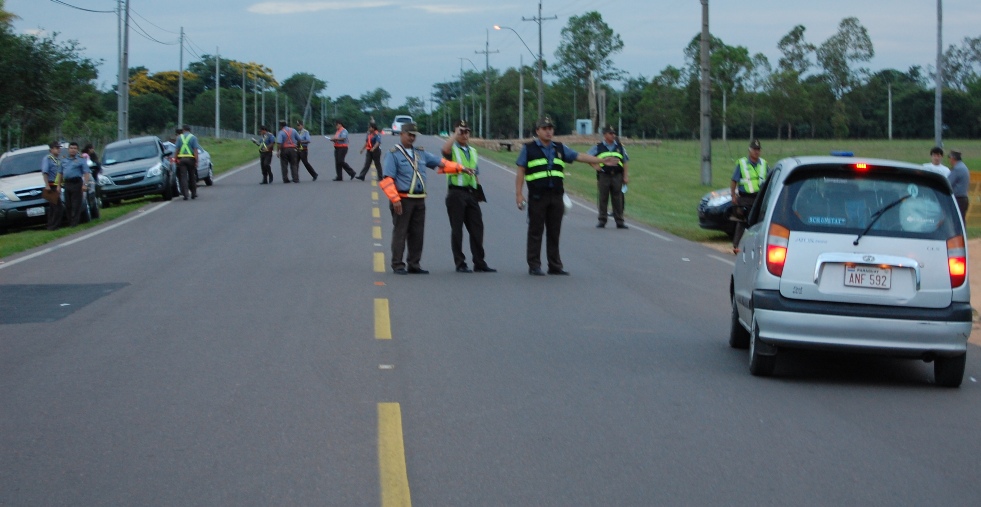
x,y
665,181
226,154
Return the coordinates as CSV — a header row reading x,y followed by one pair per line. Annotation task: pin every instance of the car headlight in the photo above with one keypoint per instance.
x,y
718,199
3,197
156,170
105,180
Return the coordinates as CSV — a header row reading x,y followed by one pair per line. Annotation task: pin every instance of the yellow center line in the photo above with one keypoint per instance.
x,y
379,262
383,322
376,232
391,457
375,213
374,195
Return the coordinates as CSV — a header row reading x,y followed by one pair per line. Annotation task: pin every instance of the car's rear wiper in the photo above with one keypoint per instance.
x,y
878,214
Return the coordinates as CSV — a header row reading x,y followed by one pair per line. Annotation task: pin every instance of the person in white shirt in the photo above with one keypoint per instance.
x,y
936,155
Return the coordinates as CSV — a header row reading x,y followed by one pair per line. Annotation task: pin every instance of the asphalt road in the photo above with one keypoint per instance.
x,y
252,347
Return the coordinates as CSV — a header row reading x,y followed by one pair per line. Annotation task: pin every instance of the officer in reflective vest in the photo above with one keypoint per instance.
x,y
749,175
286,141
372,151
187,147
610,179
340,152
404,183
462,203
304,148
266,143
541,165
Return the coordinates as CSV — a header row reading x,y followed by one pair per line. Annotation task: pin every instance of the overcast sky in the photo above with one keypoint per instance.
x,y
405,47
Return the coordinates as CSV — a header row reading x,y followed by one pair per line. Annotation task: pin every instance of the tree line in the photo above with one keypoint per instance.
x,y
813,90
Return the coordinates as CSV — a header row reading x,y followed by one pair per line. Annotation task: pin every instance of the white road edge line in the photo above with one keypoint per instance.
x,y
586,207
720,259
98,231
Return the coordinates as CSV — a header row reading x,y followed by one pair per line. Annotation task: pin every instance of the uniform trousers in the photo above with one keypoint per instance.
x,y
464,211
73,200
289,159
369,157
306,163
265,163
747,202
187,174
408,229
339,163
545,210
55,213
963,202
610,185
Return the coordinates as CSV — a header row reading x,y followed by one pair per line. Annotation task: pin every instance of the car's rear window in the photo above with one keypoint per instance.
x,y
888,203
403,119
22,163
129,153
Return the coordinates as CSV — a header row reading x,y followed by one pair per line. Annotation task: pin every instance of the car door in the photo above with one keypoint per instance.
x,y
749,260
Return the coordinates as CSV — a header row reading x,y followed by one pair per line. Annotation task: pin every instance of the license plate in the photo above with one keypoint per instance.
x,y
870,277
35,212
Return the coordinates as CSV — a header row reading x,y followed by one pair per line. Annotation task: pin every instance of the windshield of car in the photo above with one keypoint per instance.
x,y
403,119
868,204
21,163
129,153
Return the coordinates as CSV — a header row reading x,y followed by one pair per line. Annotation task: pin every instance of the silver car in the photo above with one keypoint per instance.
x,y
854,255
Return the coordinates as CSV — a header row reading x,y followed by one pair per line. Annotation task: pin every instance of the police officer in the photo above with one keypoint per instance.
x,y
187,162
462,204
749,175
541,164
340,151
286,141
372,151
304,148
610,179
51,174
266,143
76,176
960,182
405,186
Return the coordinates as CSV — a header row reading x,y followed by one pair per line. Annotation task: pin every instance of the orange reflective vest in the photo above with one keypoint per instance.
x,y
336,134
289,142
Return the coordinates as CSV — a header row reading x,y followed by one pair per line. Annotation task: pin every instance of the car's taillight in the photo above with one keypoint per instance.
x,y
956,261
776,248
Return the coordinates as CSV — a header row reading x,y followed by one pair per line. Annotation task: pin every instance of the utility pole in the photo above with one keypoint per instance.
x,y
938,139
487,52
706,108
217,93
620,114
244,83
180,85
122,87
890,111
255,103
521,96
541,88
461,87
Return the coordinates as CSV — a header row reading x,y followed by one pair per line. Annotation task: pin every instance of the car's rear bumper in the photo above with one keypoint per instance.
x,y
890,330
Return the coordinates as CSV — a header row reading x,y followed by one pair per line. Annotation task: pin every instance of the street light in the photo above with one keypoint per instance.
x,y
541,90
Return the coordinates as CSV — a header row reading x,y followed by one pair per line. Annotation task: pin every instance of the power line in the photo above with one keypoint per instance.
x,y
82,8
143,33
151,22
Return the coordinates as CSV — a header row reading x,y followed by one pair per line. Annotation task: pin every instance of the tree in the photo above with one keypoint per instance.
x,y
151,113
584,54
6,17
757,79
962,64
795,51
849,45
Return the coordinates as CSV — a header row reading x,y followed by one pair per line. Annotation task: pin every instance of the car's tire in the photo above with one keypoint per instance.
x,y
209,179
168,190
759,365
949,371
738,336
94,205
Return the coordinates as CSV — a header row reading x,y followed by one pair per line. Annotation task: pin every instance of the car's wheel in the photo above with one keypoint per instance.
x,y
94,205
168,190
949,371
738,336
760,365
209,179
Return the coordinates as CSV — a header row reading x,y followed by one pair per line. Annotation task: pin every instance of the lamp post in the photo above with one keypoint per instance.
x,y
541,90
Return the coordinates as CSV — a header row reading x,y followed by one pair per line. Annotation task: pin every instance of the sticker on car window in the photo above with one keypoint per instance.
x,y
825,220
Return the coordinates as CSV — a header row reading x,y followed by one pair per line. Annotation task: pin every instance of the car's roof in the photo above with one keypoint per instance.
x,y
826,159
19,151
134,140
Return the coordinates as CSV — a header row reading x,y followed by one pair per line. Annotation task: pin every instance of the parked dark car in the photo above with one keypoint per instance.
x,y
715,212
136,168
